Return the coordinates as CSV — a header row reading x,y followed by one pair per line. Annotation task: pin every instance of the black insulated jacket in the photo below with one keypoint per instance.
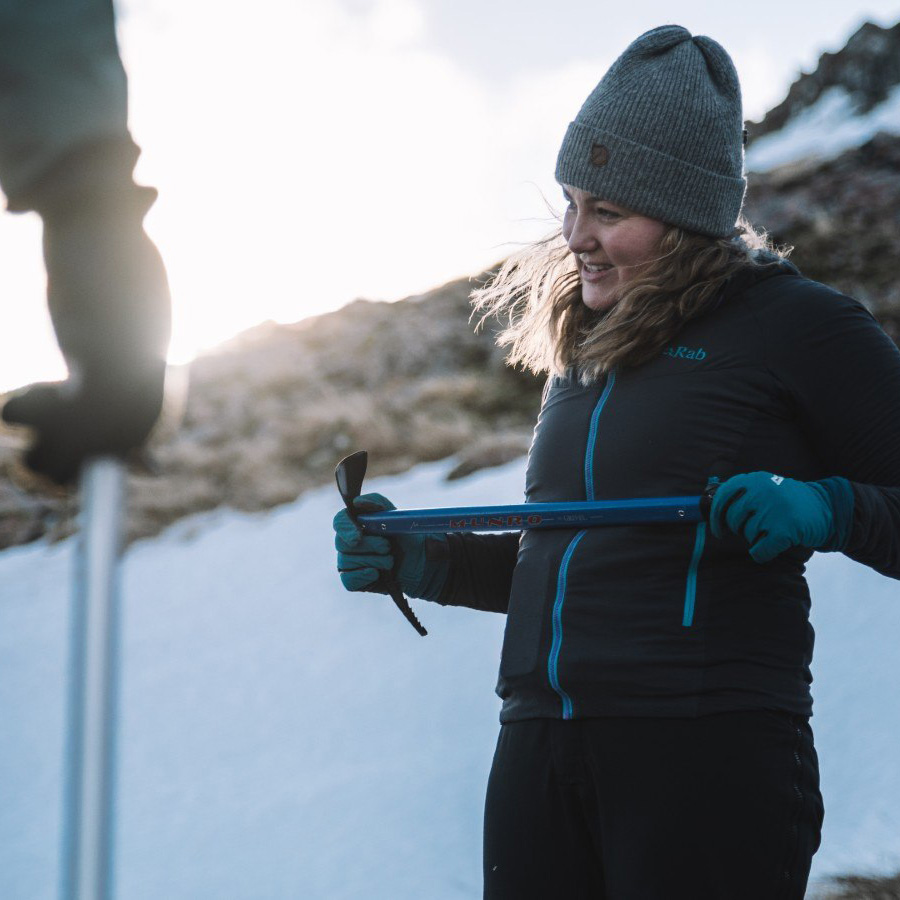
x,y
783,375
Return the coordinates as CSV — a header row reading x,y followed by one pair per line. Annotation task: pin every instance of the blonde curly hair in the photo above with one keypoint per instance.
x,y
537,291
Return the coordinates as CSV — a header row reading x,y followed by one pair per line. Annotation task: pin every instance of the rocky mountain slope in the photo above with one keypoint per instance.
x,y
268,415
842,216
852,96
867,68
824,171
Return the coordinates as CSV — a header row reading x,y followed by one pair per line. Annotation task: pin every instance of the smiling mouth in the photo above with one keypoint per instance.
x,y
596,270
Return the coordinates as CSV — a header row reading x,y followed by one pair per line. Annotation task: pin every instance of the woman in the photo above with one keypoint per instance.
x,y
655,740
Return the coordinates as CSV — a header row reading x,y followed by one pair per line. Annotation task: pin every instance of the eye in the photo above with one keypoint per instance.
x,y
610,215
570,203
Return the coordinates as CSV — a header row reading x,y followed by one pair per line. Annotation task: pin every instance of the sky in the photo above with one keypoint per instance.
x,y
311,153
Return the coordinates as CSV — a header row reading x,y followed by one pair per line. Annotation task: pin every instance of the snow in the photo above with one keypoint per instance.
x,y
824,130
283,738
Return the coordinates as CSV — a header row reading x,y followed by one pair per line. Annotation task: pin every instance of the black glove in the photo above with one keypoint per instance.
x,y
109,300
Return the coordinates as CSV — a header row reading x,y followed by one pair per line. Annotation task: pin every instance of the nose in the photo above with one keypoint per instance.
x,y
579,236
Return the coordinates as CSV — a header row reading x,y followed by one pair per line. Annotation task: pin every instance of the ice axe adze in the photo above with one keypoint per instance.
x,y
581,514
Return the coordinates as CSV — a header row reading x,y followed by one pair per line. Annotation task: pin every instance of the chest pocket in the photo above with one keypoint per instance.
x,y
556,461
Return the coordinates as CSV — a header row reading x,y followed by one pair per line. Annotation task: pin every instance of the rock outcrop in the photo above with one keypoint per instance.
x,y
867,67
842,216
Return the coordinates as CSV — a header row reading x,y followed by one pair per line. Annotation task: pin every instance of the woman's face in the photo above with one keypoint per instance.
x,y
611,245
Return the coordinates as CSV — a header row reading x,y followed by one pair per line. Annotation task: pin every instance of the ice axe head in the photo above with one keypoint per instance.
x,y
349,475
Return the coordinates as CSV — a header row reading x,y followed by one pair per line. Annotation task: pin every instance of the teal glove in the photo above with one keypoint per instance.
x,y
773,513
367,561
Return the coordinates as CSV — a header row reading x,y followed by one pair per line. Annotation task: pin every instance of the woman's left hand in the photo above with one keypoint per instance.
x,y
773,513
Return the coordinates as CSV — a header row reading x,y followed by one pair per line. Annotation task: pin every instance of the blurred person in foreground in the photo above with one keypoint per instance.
x,y
655,739
66,153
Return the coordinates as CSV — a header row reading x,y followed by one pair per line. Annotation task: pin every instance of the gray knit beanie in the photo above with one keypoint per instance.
x,y
661,134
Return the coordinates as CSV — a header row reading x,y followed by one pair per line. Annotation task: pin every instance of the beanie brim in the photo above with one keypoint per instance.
x,y
637,177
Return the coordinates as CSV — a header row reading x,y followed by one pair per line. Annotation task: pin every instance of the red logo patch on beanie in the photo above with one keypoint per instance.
x,y
599,155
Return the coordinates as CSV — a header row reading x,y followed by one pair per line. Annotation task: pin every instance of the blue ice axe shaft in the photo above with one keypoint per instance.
x,y
351,471
581,514
87,851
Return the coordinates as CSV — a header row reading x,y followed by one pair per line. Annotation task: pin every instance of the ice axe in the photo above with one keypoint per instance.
x,y
514,517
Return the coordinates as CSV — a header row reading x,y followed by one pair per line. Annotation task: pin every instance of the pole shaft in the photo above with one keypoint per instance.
x,y
93,686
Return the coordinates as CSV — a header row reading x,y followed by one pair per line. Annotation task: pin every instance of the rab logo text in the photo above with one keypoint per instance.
x,y
685,353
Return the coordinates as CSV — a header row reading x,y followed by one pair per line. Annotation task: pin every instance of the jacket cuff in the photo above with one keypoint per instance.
x,y
435,577
840,493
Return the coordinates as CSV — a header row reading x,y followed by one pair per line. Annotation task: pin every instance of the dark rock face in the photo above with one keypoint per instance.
x,y
861,887
842,215
843,218
867,67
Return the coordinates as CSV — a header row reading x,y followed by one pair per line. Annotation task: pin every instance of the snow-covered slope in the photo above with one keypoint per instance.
x,y
281,738
823,130
848,98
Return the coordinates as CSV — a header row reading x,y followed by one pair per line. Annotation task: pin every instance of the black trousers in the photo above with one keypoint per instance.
x,y
720,807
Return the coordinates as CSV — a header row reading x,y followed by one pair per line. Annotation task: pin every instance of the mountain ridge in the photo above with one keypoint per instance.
x,y
866,67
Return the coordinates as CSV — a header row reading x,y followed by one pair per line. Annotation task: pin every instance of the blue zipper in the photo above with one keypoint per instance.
x,y
556,645
690,593
553,660
592,437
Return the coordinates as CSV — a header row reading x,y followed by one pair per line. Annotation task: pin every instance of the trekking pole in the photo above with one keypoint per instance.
x,y
87,853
